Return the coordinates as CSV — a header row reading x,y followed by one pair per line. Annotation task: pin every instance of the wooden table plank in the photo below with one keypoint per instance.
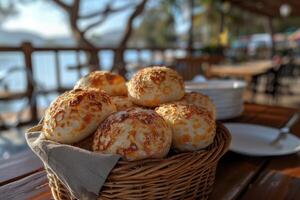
x,y
19,166
235,172
34,186
279,180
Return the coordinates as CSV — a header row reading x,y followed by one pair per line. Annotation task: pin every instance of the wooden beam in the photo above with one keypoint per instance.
x,y
28,50
269,8
251,7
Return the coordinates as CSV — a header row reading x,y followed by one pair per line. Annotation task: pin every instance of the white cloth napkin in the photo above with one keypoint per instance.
x,y
81,171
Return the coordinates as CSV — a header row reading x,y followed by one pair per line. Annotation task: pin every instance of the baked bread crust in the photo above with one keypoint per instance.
x,y
134,134
112,84
122,102
75,114
201,101
153,86
193,127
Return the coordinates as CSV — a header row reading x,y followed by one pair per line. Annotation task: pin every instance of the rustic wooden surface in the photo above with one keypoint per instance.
x,y
238,177
18,166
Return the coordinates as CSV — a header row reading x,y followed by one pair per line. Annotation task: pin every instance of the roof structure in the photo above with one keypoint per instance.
x,y
270,8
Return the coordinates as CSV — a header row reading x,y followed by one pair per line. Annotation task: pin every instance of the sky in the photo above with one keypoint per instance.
x,y
39,17
48,20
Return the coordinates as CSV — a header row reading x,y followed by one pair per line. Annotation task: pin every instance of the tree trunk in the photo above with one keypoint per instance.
x,y
119,63
92,56
191,28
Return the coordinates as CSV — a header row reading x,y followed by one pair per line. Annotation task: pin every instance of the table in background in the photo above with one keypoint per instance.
x,y
238,177
244,70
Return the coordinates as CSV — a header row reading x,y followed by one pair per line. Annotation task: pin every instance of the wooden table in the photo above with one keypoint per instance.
x,y
238,177
244,70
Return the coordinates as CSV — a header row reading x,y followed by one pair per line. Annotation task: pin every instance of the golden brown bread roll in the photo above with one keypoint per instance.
x,y
134,134
75,114
193,127
122,102
201,101
155,85
112,84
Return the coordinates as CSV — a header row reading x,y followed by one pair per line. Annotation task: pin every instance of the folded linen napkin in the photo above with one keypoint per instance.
x,y
82,172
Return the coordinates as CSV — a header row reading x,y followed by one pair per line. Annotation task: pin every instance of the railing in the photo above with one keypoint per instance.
x,y
188,67
166,54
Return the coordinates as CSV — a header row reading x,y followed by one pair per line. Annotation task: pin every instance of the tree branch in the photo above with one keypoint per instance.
x,y
92,25
119,64
62,5
107,9
138,10
105,13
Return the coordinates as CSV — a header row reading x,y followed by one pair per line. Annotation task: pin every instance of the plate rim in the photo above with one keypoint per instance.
x,y
261,155
241,85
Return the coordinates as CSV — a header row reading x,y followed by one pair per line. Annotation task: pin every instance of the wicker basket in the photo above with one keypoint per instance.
x,y
183,176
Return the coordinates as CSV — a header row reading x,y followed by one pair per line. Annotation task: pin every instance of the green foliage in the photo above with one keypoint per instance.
x,y
157,27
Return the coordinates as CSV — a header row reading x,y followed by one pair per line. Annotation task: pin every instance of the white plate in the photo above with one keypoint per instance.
x,y
221,94
224,93
216,85
218,92
254,140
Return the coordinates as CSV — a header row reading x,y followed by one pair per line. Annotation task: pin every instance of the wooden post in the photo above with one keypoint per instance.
x,y
191,29
163,57
139,57
271,32
27,50
93,60
78,63
57,70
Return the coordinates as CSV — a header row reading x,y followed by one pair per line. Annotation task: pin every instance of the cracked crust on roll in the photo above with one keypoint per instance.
x,y
134,134
201,101
153,86
122,102
193,127
76,114
112,84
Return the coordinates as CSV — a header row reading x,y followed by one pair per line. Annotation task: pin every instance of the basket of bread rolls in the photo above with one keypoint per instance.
x,y
168,140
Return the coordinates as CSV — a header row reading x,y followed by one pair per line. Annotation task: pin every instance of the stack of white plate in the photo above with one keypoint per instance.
x,y
227,95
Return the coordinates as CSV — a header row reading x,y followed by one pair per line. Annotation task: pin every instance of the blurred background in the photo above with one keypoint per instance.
x,y
46,45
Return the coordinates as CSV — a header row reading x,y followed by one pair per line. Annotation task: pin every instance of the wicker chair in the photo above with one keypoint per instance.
x,y
189,67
